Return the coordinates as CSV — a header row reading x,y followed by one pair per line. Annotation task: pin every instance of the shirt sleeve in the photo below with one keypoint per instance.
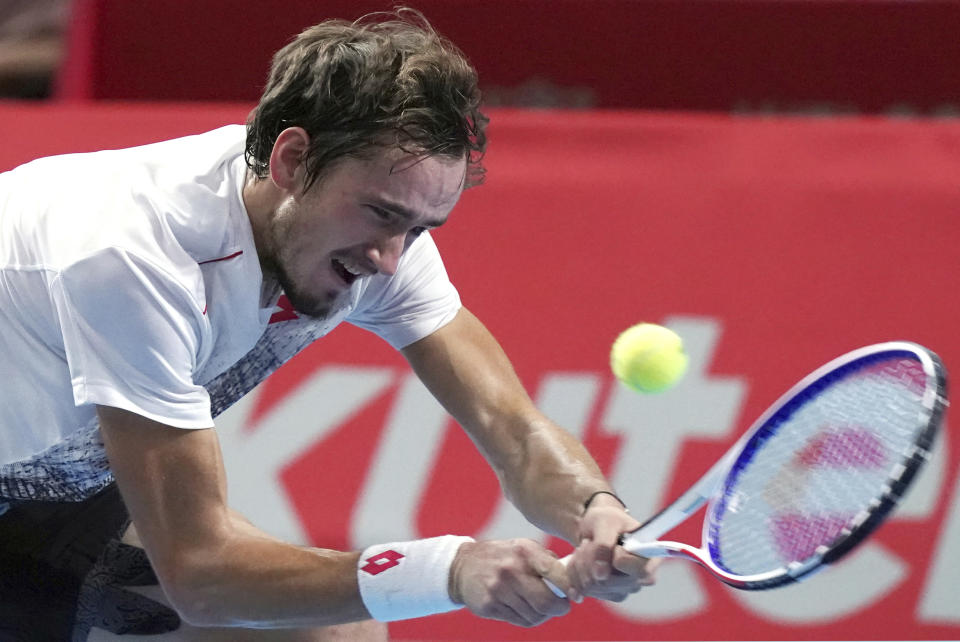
x,y
133,336
413,303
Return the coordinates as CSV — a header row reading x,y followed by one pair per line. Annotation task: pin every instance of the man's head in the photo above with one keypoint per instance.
x,y
365,137
386,80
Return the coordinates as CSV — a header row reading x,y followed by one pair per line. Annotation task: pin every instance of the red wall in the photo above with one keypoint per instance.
x,y
772,245
746,55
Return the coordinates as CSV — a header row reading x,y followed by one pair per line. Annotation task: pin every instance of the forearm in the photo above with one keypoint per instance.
x,y
259,582
548,477
308,594
543,470
216,568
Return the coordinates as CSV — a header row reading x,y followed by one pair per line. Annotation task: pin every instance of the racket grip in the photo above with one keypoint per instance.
x,y
648,549
643,549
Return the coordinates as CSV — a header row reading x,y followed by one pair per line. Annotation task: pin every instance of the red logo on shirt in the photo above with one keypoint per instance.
x,y
381,562
285,311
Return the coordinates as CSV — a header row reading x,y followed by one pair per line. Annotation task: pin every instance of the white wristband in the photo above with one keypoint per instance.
x,y
404,580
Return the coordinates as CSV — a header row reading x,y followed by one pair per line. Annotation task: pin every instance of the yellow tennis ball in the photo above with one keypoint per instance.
x,y
648,357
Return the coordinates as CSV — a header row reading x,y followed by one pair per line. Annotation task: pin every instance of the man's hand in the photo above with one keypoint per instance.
x,y
503,580
601,568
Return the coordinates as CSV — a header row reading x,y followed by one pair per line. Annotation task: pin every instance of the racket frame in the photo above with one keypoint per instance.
x,y
644,540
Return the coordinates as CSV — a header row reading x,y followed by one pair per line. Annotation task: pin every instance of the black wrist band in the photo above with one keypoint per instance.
x,y
586,504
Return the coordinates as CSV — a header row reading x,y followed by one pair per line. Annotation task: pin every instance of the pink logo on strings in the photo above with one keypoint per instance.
x,y
844,447
908,373
796,528
798,536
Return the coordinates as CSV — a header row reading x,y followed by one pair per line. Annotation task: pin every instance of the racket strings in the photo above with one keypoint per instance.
x,y
817,470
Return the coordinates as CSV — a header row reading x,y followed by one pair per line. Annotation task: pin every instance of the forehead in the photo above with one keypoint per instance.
x,y
416,179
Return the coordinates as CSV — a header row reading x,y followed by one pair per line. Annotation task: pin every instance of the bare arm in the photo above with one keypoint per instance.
x,y
216,569
543,470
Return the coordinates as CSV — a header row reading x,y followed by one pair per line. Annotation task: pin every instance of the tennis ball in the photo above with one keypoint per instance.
x,y
648,357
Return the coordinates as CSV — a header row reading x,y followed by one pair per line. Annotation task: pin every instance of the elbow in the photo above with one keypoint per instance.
x,y
191,594
197,613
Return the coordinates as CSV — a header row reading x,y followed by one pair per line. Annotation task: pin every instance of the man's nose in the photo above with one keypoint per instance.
x,y
386,253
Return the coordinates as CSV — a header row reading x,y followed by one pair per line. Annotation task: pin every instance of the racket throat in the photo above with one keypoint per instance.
x,y
664,549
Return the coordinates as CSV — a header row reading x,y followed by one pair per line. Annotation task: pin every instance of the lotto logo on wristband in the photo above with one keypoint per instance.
x,y
417,586
381,562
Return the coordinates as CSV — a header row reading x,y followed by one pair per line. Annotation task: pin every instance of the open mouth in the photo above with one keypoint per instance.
x,y
344,272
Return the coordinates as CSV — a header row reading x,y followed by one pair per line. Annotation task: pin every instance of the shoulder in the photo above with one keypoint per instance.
x,y
181,196
412,303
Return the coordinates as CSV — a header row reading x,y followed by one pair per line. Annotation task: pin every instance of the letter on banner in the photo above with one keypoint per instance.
x,y
653,429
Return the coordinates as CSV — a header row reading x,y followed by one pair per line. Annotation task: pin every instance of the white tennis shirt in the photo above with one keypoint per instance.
x,y
129,278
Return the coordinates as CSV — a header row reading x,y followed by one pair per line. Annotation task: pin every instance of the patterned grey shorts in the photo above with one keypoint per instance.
x,y
63,571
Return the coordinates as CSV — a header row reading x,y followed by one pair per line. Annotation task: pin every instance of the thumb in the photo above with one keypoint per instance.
x,y
554,573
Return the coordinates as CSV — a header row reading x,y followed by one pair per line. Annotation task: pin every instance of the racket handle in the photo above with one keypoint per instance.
x,y
648,549
643,549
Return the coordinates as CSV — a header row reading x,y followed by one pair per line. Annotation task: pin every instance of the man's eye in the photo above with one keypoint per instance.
x,y
383,215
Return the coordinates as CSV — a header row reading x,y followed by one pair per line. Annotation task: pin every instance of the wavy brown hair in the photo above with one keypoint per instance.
x,y
385,79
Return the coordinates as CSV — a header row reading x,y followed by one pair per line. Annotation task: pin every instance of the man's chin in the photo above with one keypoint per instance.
x,y
317,308
317,305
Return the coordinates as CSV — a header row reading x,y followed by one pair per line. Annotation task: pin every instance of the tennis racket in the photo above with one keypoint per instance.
x,y
815,475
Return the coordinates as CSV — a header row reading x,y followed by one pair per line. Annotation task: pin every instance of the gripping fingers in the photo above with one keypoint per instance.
x,y
524,601
616,588
547,568
628,573
531,612
557,578
504,581
642,568
588,568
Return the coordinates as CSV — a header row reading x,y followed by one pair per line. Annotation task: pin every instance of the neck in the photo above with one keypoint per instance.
x,y
260,198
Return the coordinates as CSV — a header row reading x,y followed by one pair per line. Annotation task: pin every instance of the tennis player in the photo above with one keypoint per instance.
x,y
137,290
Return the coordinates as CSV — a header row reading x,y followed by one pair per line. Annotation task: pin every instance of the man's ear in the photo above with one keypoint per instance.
x,y
286,159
